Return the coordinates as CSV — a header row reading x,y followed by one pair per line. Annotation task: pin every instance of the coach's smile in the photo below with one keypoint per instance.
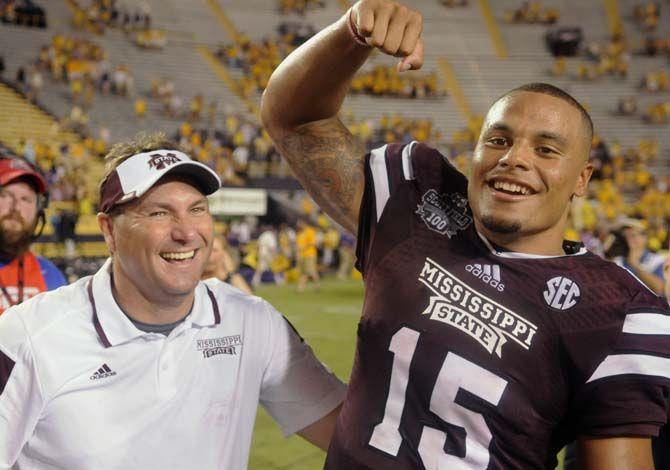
x,y
178,256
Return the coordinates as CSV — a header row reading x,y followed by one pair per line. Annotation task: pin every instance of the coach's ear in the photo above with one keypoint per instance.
x,y
106,224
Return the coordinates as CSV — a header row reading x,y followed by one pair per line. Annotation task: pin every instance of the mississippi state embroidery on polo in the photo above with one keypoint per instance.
x,y
223,345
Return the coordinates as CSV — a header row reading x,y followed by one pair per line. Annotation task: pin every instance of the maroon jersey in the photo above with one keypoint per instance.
x,y
470,357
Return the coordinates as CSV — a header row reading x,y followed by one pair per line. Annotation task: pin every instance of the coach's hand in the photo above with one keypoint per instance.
x,y
391,27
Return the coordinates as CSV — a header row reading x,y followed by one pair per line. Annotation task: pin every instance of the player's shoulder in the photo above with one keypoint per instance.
x,y
395,164
45,313
622,283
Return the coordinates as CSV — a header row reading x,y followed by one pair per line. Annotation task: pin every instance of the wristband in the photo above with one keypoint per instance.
x,y
354,33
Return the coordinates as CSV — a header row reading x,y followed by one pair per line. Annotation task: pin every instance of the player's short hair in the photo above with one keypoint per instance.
x,y
142,142
551,90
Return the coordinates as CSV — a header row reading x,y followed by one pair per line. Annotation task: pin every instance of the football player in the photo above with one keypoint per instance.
x,y
485,341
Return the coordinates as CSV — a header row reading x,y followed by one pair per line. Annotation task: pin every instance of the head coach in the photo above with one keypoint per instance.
x,y
142,365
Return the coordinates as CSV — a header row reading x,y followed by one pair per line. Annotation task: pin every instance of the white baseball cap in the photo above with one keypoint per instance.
x,y
137,174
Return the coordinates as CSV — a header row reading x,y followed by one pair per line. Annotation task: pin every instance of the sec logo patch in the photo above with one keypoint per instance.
x,y
561,293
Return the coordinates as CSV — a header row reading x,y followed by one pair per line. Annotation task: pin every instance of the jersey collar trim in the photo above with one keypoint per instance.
x,y
517,255
114,327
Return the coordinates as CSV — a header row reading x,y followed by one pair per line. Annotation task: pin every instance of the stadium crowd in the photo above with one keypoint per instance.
x,y
533,12
625,216
238,148
386,81
22,13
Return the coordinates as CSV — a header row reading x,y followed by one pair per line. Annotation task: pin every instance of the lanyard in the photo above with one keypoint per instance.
x,y
19,297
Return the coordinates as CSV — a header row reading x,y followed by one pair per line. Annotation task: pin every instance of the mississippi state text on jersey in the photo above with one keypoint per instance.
x,y
470,357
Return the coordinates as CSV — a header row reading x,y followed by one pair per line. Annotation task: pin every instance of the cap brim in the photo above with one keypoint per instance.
x,y
204,177
13,175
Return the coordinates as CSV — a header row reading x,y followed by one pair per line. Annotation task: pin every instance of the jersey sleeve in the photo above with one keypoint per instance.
x,y
20,392
624,391
386,168
53,278
297,390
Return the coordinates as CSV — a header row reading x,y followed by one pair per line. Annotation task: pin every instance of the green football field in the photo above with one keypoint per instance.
x,y
327,320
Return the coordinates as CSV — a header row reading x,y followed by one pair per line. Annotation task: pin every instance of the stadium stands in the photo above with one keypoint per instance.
x,y
472,56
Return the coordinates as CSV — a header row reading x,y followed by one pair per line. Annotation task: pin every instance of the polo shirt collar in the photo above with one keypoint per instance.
x,y
114,327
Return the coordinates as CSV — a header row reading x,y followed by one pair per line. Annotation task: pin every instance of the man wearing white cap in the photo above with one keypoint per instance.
x,y
143,366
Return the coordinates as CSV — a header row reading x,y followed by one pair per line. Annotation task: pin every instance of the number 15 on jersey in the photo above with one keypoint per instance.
x,y
456,373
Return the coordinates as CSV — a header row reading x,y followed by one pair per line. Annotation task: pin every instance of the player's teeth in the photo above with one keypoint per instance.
x,y
179,256
510,187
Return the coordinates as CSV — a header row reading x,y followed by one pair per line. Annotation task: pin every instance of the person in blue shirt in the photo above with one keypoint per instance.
x,y
23,198
644,264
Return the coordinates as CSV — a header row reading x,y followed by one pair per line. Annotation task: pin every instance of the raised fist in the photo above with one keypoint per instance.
x,y
391,27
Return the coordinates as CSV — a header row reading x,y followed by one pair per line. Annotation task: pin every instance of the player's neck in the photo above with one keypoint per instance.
x,y
142,307
545,243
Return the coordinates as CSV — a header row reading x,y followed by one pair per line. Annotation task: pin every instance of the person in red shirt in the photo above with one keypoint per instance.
x,y
23,198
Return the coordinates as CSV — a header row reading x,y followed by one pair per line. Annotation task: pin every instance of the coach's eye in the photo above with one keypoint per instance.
x,y
158,214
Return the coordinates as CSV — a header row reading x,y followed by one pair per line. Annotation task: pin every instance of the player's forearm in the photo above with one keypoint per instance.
x,y
311,83
621,453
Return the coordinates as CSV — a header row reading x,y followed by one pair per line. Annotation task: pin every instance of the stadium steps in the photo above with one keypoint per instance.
x,y
222,71
21,120
484,77
499,44
614,23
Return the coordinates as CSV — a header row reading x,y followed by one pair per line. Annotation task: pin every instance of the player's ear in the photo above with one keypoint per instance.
x,y
106,224
583,180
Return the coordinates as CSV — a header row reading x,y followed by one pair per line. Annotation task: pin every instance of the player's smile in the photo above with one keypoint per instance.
x,y
508,189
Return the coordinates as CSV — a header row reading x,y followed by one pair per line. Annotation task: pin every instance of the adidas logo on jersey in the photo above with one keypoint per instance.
x,y
102,373
489,273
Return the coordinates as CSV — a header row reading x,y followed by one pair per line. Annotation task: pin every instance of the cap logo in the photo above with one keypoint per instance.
x,y
18,164
160,162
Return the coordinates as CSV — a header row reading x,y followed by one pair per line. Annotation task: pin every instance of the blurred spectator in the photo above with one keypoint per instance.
x,y
627,106
647,15
151,39
22,13
222,266
140,107
299,6
98,15
658,113
387,81
532,12
267,251
656,81
628,248
297,32
306,254
257,59
346,252
21,79
454,3
331,242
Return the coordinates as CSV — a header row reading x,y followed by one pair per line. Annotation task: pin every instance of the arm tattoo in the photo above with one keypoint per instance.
x,y
328,161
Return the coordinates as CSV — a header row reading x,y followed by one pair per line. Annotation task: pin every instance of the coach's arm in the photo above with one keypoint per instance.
x,y
305,93
320,432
